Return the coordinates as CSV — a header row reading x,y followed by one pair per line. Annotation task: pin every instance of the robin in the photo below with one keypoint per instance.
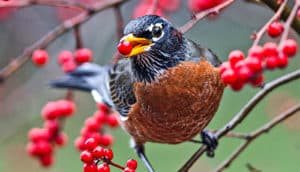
x,y
166,89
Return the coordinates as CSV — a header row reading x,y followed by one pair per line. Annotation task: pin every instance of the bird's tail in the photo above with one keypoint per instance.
x,y
87,77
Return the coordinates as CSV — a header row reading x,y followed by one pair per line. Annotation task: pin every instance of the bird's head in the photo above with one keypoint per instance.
x,y
155,43
151,33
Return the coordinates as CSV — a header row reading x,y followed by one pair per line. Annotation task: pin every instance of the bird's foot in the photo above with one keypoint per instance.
x,y
210,140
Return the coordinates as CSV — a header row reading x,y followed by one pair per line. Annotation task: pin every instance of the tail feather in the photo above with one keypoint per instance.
x,y
87,77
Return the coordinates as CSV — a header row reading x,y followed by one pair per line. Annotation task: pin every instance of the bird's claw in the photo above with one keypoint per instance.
x,y
210,140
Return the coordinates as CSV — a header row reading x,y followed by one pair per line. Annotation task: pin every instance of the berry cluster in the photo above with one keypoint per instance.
x,y
94,124
42,140
70,61
66,59
240,70
163,6
92,154
200,5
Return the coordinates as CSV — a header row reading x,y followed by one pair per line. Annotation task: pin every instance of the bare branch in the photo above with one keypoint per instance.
x,y
244,112
119,20
276,16
215,10
254,135
78,39
288,22
54,34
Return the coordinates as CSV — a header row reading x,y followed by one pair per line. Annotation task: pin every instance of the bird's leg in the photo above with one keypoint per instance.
x,y
140,150
210,140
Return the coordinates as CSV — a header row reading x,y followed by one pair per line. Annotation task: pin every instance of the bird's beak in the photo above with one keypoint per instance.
x,y
139,45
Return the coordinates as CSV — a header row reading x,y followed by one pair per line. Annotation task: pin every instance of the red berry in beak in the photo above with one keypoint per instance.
x,y
125,47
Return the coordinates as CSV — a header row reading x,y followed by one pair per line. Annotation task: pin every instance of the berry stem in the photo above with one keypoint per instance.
x,y
276,16
114,164
288,23
186,27
77,35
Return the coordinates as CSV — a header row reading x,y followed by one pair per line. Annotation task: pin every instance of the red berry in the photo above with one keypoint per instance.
x,y
46,160
169,5
49,111
283,60
229,76
237,86
90,168
298,13
61,139
108,153
52,126
31,149
132,164
275,29
257,81
244,73
97,136
290,47
86,157
256,51
65,107
125,47
83,55
200,5
270,49
99,116
64,56
79,143
91,144
255,64
98,152
103,107
40,57
224,66
128,170
44,148
143,8
91,124
69,66
112,120
103,168
271,62
235,56
107,140
38,134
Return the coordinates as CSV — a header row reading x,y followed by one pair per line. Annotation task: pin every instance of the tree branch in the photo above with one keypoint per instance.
x,y
54,34
196,18
286,13
244,112
254,135
276,16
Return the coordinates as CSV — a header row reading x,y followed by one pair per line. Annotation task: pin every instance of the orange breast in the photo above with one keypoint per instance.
x,y
177,106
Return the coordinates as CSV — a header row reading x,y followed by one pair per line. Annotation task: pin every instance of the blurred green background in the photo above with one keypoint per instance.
x,y
25,92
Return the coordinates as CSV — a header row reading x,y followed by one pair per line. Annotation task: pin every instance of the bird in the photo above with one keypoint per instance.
x,y
166,89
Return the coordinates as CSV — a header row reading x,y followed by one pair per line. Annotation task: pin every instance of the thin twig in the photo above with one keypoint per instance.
x,y
276,16
53,35
286,13
119,20
77,36
215,10
57,3
244,112
288,22
252,136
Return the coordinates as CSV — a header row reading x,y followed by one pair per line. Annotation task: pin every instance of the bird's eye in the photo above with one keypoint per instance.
x,y
156,31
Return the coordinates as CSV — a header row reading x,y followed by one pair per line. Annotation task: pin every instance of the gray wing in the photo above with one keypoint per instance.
x,y
121,86
195,51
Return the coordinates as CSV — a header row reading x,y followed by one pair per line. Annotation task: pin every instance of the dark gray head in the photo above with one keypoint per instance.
x,y
157,45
